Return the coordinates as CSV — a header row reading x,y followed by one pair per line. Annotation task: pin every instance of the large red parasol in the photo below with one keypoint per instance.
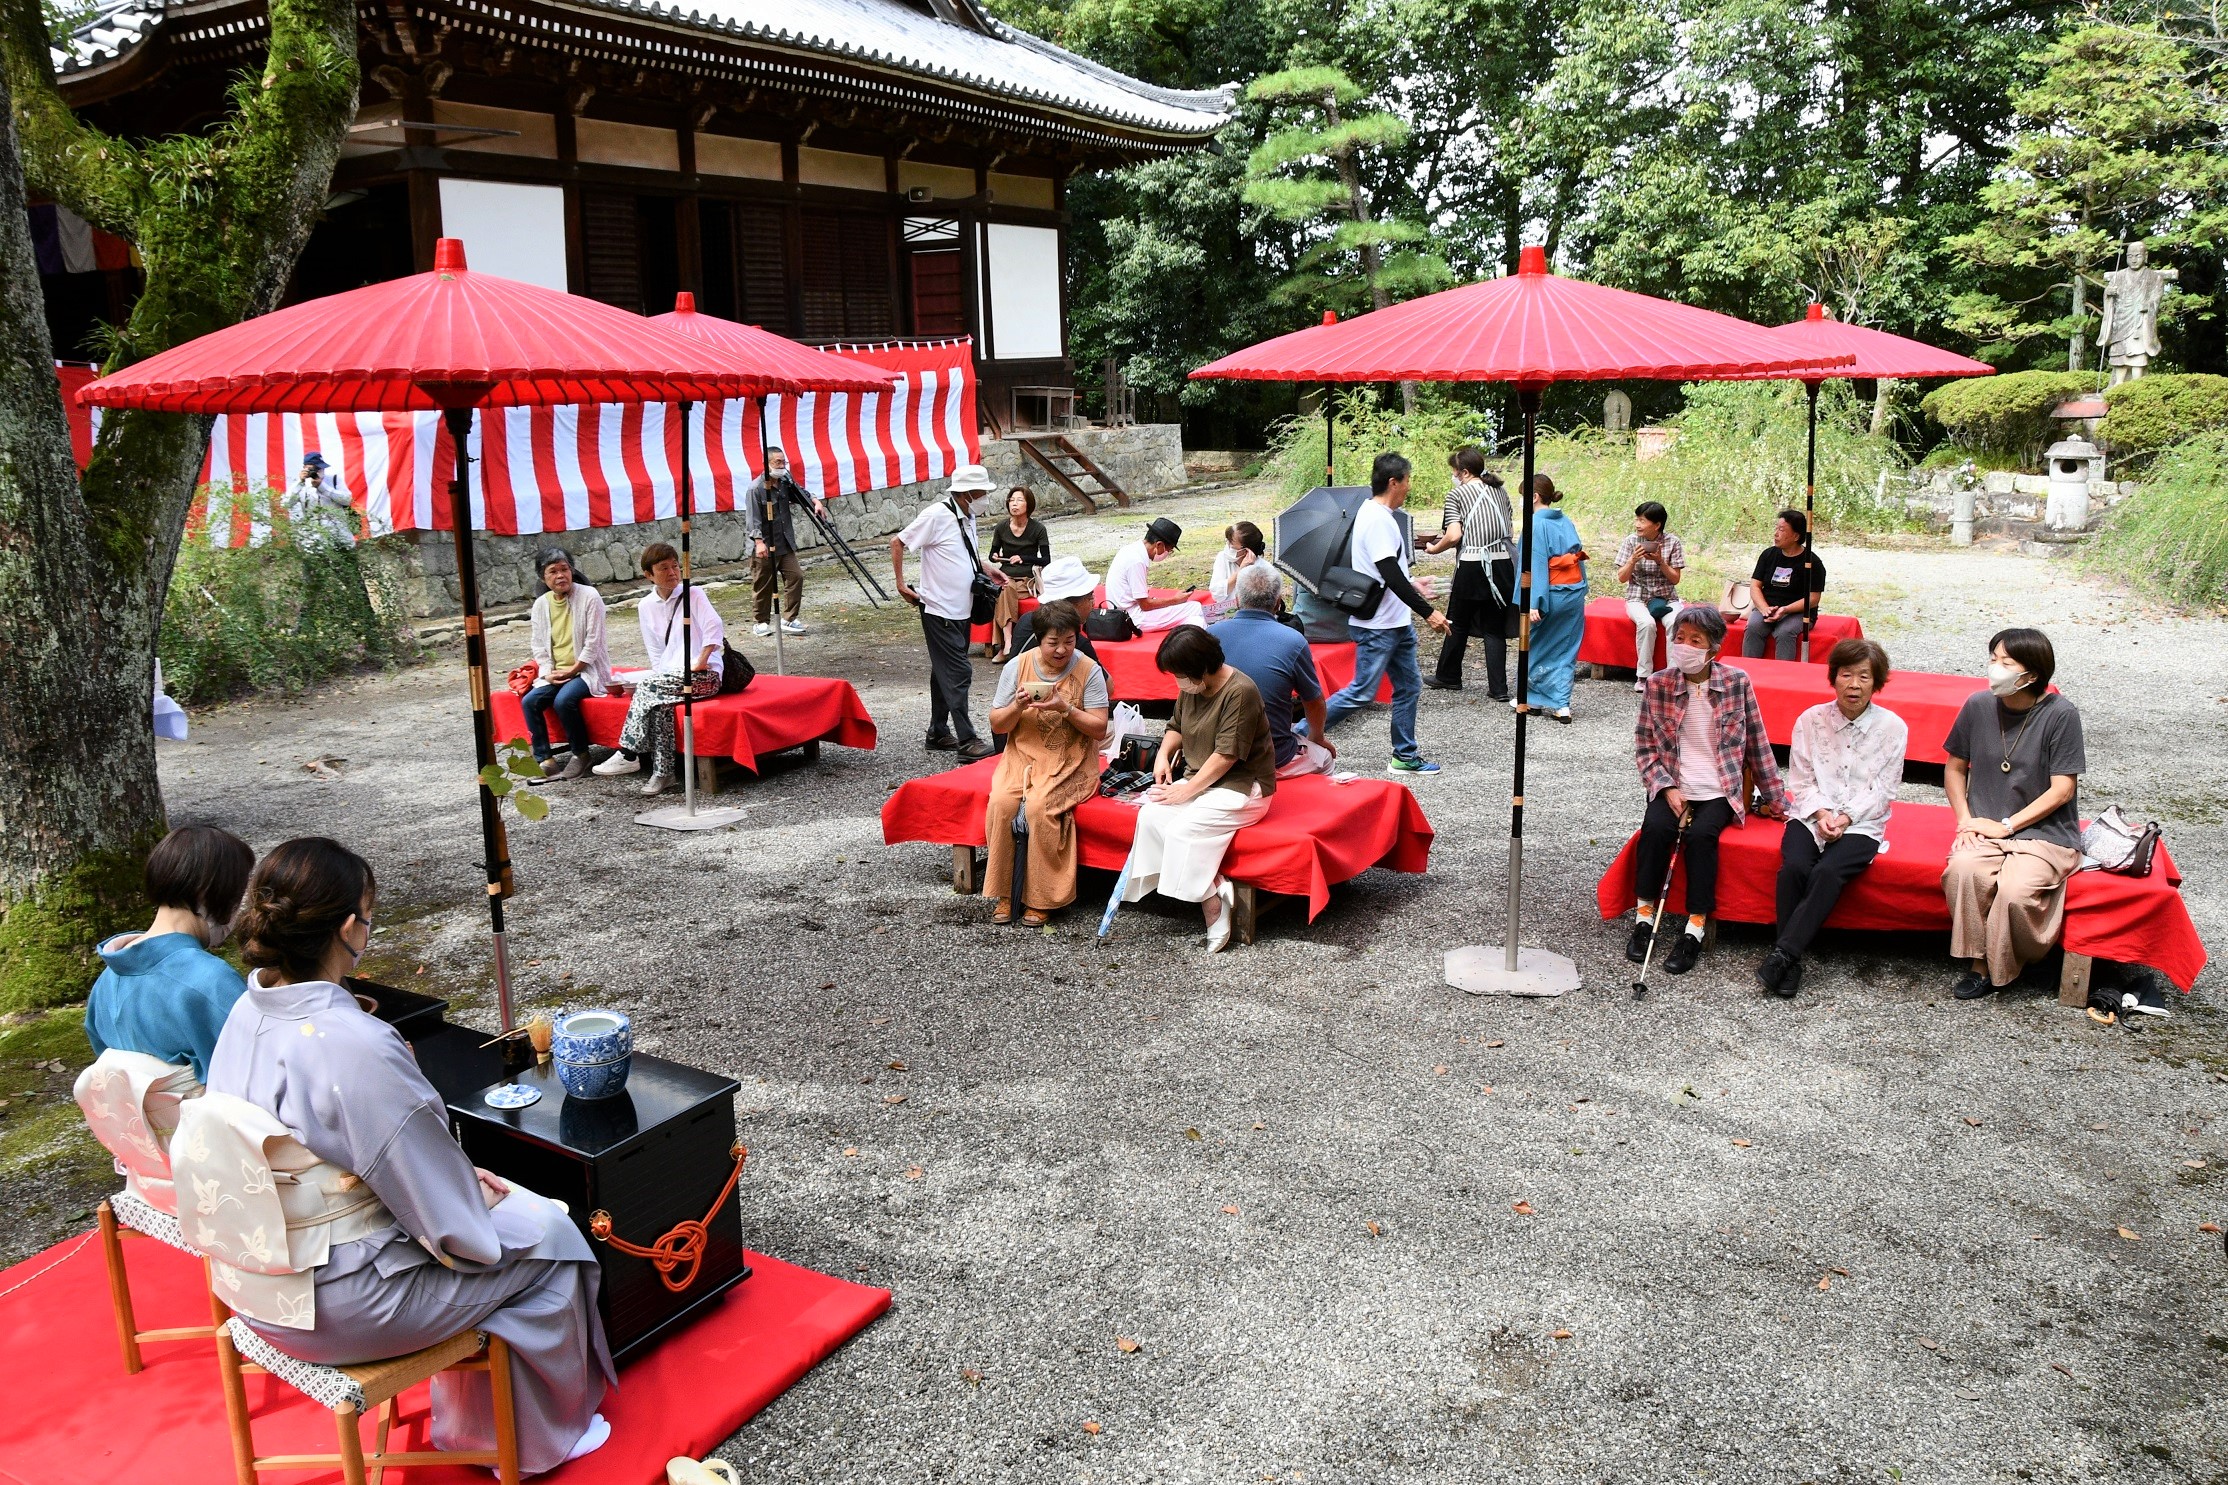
x,y
803,368
453,340
1872,354
1531,328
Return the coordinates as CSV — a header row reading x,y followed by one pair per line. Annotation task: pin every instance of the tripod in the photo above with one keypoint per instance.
x,y
846,557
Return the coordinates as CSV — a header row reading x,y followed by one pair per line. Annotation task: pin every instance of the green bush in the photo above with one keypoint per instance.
x,y
2170,538
2153,413
276,617
2008,414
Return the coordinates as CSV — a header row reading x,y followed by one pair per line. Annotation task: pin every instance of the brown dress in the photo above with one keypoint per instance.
x,y
1048,768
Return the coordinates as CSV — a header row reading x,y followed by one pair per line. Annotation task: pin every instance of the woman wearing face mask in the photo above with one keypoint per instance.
x,y
2013,778
1843,763
1184,828
1051,704
162,992
1699,731
422,1245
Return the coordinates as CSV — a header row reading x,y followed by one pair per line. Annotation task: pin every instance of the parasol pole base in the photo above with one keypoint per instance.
x,y
1482,969
681,817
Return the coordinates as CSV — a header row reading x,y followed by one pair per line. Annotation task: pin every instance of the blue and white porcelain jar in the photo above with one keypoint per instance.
x,y
593,1050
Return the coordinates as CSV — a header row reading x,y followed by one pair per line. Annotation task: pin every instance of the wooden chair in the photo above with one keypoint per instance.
x,y
352,1391
124,1214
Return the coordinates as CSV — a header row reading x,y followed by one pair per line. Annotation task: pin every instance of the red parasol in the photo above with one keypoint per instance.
x,y
803,368
1872,354
800,366
454,340
1531,328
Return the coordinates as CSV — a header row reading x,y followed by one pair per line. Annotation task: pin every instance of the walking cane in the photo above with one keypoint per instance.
x,y
1020,855
1663,904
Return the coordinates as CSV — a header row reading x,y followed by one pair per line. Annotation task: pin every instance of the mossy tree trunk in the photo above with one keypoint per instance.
x,y
85,560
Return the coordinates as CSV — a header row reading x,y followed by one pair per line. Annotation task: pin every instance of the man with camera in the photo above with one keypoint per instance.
x,y
773,544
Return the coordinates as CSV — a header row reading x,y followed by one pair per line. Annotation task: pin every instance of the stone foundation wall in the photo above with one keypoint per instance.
x,y
1143,460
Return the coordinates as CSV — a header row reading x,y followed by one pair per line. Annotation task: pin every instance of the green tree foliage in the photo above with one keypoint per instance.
x,y
2153,413
2116,143
1286,179
2007,415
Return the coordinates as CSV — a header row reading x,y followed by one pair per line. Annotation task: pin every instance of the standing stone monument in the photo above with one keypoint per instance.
x,y
2130,314
1616,413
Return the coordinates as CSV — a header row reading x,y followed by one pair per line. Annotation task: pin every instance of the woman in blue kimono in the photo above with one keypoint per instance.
x,y
454,1247
163,992
1558,601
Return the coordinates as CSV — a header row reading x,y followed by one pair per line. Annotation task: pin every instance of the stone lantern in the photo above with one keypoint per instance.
x,y
2070,462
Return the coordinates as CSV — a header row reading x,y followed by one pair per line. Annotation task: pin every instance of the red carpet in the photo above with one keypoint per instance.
x,y
73,1416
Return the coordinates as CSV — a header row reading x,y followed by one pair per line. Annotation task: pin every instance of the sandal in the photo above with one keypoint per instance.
x,y
1034,919
1002,914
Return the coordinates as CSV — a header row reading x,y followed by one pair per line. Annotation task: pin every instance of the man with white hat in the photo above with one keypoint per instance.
x,y
1063,577
944,536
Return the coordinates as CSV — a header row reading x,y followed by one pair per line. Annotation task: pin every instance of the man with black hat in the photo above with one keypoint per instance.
x,y
318,508
1129,585
773,543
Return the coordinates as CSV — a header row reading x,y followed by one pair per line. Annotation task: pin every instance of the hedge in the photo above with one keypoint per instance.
x,y
2008,414
2153,413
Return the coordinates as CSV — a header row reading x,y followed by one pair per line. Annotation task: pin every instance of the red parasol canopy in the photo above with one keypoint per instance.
x,y
1531,328
1874,353
446,339
808,370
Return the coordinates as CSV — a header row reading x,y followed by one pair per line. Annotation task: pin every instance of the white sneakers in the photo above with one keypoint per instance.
x,y
658,783
792,626
616,764
761,630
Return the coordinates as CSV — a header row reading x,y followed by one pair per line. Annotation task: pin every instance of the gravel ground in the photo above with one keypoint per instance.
x,y
1359,1226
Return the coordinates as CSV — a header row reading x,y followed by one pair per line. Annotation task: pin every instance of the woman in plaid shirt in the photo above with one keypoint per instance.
x,y
1699,732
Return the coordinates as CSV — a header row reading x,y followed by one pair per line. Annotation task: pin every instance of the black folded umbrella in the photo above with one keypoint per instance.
x,y
1312,538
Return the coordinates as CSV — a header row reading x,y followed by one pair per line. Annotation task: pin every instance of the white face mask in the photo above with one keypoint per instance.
x,y
2005,680
1189,688
1689,659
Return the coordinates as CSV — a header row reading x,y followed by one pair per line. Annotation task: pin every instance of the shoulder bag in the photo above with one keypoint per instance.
x,y
982,593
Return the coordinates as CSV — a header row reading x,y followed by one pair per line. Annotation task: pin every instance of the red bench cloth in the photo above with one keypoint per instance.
x,y
1927,702
980,634
776,712
1608,639
1131,674
2130,920
1316,833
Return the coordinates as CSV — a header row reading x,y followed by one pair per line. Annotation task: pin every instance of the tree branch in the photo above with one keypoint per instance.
x,y
99,178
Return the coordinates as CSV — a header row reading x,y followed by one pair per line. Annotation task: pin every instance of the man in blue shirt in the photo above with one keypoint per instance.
x,y
1281,666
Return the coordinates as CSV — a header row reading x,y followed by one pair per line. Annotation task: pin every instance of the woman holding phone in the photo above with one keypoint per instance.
x,y
1051,704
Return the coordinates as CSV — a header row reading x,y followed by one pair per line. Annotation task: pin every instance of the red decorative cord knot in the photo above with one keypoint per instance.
x,y
681,1249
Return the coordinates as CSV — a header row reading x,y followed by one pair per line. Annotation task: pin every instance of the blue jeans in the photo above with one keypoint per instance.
x,y
1555,639
1377,651
566,700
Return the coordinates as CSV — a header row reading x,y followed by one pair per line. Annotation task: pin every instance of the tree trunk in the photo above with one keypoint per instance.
x,y
2077,344
85,561
1883,405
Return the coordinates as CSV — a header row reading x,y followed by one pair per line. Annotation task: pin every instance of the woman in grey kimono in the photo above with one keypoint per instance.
x,y
464,1248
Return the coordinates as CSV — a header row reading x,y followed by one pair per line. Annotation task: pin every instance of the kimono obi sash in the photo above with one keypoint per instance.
x,y
131,1101
263,1209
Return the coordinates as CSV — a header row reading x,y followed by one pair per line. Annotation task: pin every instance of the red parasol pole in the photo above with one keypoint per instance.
x,y
492,836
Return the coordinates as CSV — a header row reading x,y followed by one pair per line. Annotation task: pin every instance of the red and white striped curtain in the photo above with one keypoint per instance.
x,y
550,469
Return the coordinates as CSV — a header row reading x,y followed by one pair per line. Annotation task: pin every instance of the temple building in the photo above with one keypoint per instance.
x,y
834,170
843,172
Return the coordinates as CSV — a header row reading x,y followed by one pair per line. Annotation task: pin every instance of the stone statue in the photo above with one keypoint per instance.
x,y
1616,412
2130,314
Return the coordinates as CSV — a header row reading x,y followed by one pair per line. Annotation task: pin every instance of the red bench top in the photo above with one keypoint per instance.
x,y
2129,920
774,713
1315,834
1608,638
1926,700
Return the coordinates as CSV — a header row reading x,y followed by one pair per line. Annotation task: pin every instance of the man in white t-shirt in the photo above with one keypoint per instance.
x,y
1384,639
1129,583
944,536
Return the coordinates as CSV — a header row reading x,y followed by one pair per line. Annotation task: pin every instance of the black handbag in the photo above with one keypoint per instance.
x,y
735,670
1351,591
1109,625
982,593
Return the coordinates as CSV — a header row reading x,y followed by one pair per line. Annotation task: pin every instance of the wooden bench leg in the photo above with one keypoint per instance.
x,y
345,1419
119,1287
1709,932
965,871
235,1407
2073,980
812,751
1246,917
506,1410
707,774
